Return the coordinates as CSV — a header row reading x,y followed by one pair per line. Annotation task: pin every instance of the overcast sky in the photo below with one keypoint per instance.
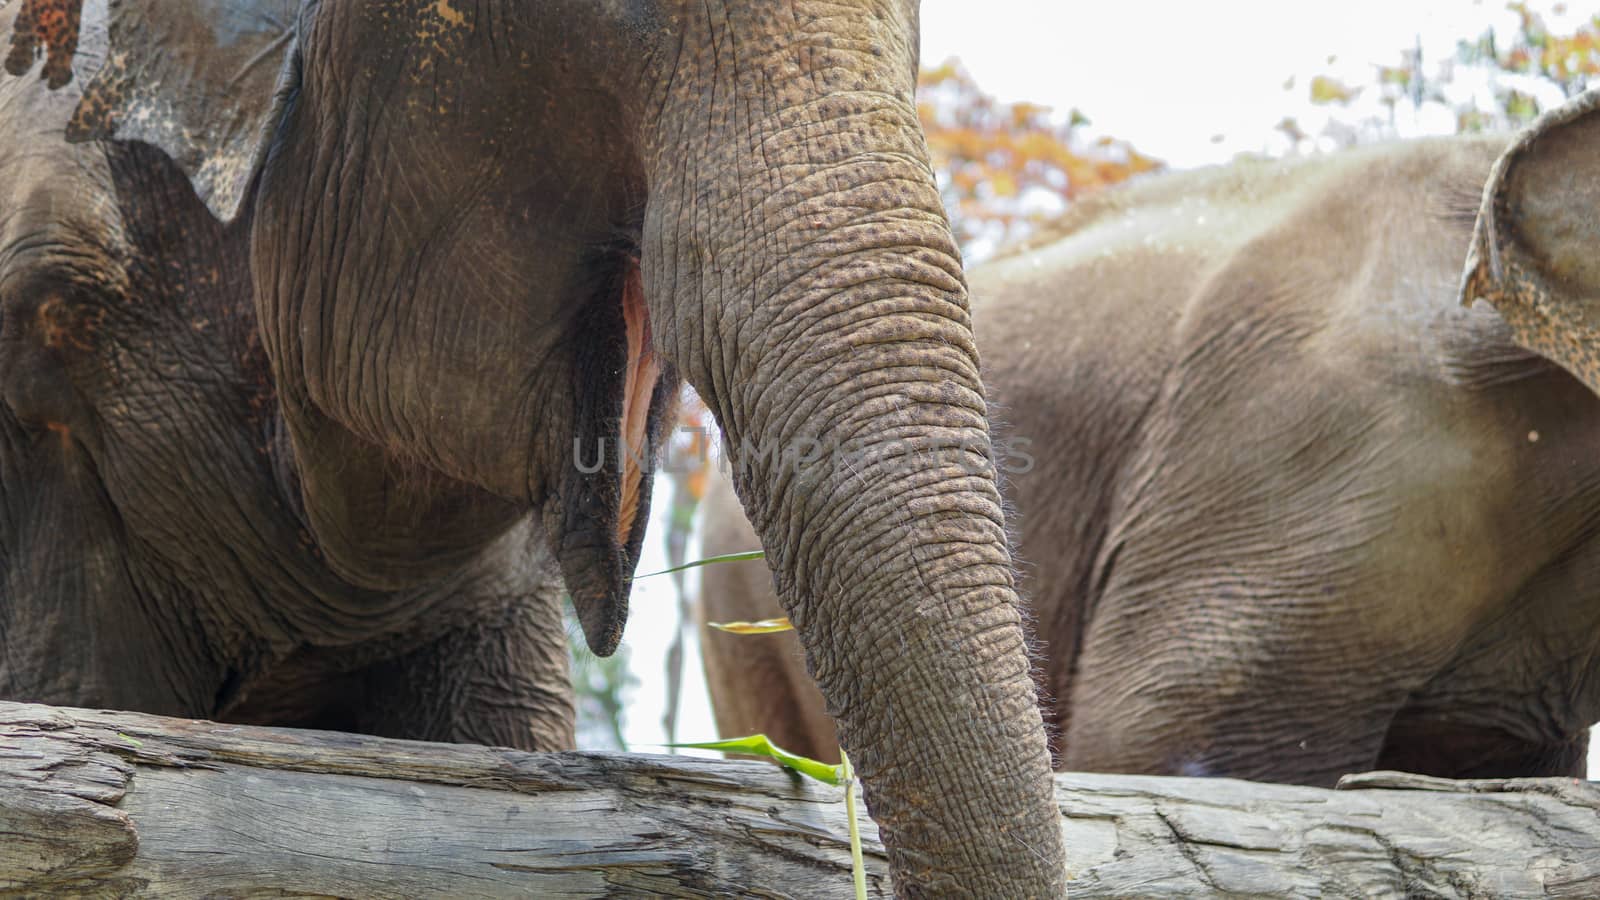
x,y
1169,76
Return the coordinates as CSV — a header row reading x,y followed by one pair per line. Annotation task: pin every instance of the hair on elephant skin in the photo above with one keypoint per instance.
x,y
339,337
1286,510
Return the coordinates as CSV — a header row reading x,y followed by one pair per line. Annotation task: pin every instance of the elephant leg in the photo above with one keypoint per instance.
x,y
479,673
1224,653
1514,700
499,679
1455,750
1193,704
1289,559
484,661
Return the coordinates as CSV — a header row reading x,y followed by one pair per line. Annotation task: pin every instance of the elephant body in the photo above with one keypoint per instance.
x,y
151,546
1285,509
338,339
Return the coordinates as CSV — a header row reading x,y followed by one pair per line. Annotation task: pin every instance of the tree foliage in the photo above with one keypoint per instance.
x,y
1003,167
1493,82
1568,60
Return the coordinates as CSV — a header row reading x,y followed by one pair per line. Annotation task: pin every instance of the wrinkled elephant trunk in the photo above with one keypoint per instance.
x,y
795,266
800,270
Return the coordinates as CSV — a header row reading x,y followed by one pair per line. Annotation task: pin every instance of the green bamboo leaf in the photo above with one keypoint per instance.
x,y
725,558
858,867
760,745
763,626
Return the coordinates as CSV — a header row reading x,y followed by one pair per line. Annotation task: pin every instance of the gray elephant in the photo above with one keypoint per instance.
x,y
361,311
153,546
1287,510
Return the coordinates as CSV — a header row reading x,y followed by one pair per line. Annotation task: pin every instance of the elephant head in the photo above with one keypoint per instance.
x,y
152,554
487,239
1534,253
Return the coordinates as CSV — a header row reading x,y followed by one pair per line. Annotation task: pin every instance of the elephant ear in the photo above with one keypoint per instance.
x,y
1535,253
196,78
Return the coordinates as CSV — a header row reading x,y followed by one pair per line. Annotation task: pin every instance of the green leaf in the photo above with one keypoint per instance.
x,y
760,745
858,867
132,740
725,558
764,626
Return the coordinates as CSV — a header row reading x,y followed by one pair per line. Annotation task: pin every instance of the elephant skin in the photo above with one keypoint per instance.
x,y
152,544
373,337
1286,510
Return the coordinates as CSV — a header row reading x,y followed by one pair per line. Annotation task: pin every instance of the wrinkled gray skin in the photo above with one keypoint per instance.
x,y
153,556
1293,512
481,241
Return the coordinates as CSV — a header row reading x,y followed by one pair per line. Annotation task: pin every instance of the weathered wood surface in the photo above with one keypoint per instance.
x,y
1383,834
124,804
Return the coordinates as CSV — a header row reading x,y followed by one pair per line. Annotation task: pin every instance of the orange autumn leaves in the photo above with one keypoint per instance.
x,y
1005,166
1569,60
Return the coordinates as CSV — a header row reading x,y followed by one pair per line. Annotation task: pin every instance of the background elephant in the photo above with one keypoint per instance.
x,y
1292,512
484,242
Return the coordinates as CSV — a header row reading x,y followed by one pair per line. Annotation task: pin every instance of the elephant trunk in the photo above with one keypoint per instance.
x,y
799,269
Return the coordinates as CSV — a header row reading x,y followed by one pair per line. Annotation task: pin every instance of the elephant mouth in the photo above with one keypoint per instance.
x,y
625,395
641,375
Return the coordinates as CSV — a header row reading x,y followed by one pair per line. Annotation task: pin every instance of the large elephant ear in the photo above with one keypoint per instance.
x,y
197,78
1536,252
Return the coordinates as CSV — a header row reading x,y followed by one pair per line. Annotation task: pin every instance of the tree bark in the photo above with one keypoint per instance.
x,y
117,804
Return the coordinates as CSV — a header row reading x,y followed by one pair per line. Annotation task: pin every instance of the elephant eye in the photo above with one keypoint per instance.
x,y
15,297
46,335
53,312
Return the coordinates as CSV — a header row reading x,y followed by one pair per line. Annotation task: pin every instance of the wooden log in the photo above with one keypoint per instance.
x,y
122,804
1382,834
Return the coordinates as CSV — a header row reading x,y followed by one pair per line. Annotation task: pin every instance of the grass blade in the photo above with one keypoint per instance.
x,y
760,745
858,866
710,560
764,626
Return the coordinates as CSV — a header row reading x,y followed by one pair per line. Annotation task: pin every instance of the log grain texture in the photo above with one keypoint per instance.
x,y
111,804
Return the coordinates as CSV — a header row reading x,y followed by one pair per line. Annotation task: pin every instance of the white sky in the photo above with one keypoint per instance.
x,y
652,618
1166,76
